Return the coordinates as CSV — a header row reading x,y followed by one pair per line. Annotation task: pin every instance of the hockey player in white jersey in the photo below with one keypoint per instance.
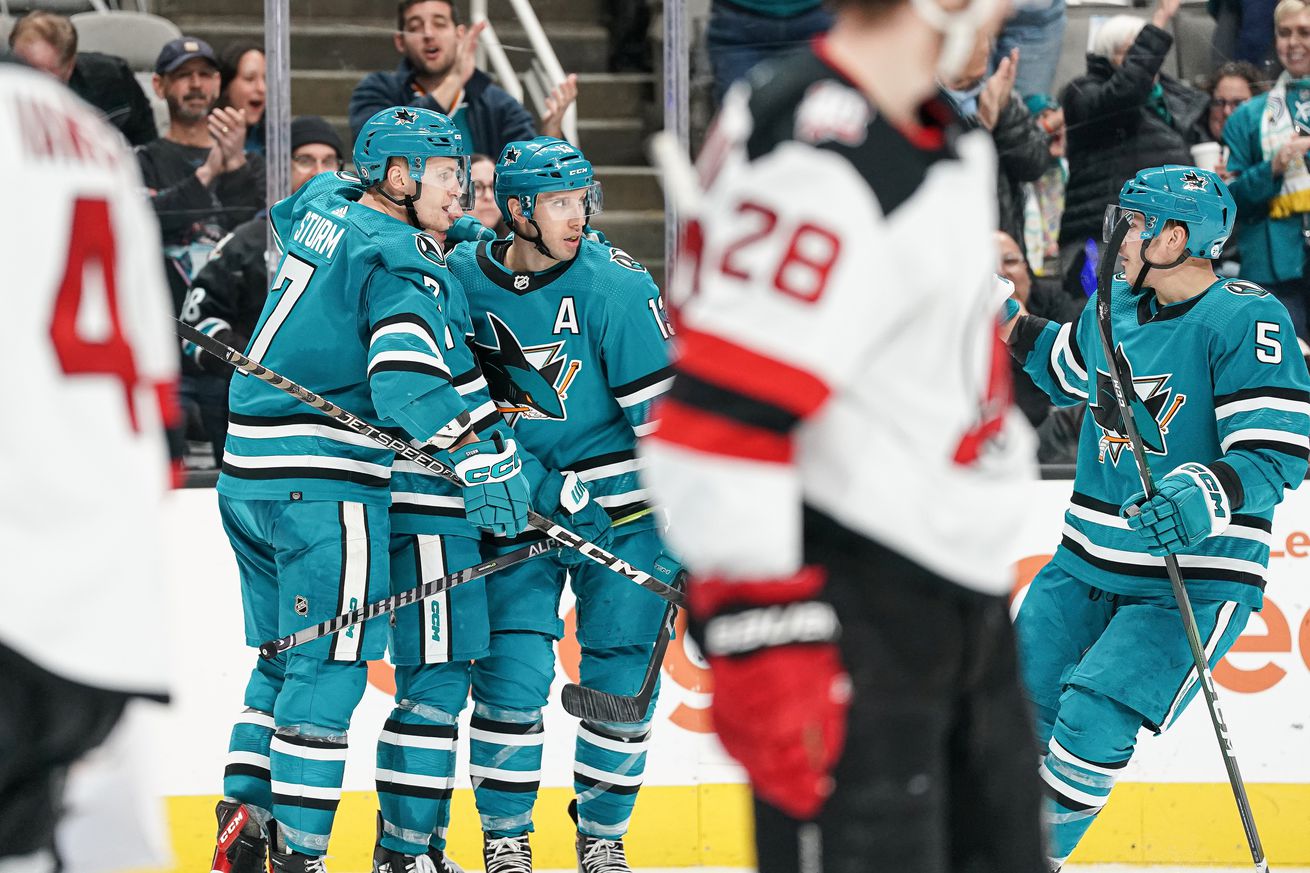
x,y
841,462
86,328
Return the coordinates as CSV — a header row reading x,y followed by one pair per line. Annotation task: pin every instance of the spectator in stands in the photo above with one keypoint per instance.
x,y
1267,142
1044,199
1244,31
228,293
1036,29
482,170
242,86
201,181
49,42
438,71
1022,149
742,33
1231,85
1122,114
1041,297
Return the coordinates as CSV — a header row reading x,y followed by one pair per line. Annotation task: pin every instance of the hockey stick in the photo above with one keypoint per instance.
x,y
272,648
593,704
420,592
401,447
1103,321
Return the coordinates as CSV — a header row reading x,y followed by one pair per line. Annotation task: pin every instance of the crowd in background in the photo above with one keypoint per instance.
x,y
1064,148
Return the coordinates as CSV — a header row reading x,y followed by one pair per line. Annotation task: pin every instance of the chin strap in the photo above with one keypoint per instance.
x,y
536,240
1148,263
408,201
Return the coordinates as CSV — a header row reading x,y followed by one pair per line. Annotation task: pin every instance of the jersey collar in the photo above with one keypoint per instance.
x,y
491,260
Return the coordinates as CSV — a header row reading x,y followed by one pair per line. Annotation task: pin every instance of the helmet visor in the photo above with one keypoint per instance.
x,y
454,178
566,205
1115,212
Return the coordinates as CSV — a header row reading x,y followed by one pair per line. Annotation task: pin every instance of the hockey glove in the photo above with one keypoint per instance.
x,y
565,498
468,229
1189,505
495,493
780,691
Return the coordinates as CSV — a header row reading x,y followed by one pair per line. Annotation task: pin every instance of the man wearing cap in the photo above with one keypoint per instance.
x,y
228,293
202,183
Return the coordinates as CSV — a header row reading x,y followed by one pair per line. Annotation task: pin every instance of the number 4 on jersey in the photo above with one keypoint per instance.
x,y
91,254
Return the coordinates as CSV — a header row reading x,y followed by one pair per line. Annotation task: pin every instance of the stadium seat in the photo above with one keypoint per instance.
x,y
136,37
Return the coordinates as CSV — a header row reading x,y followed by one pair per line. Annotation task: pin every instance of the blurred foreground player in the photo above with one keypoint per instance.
x,y
841,462
87,324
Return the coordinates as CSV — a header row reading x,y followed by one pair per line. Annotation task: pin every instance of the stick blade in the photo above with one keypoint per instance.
x,y
594,705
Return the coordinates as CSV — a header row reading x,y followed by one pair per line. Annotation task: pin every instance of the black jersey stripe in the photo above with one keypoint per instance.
x,y
312,418
401,789
626,509
268,473
607,787
643,383
305,802
400,505
468,376
420,730
404,318
507,787
408,367
1272,391
602,460
1193,573
251,770
726,403
1088,502
1299,452
482,723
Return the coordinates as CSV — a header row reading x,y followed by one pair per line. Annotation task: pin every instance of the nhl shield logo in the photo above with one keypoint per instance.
x,y
302,605
521,281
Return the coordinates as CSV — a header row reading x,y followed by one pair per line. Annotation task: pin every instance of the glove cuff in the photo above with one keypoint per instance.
x,y
481,463
1216,502
712,594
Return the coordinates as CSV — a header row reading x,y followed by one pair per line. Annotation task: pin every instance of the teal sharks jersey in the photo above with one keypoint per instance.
x,y
351,316
1217,379
574,358
422,502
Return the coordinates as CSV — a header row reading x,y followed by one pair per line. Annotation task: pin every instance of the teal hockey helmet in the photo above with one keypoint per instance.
x,y
1196,198
415,135
528,168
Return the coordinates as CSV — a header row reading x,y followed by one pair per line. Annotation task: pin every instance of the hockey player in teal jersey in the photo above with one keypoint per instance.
x,y
353,314
574,344
1222,399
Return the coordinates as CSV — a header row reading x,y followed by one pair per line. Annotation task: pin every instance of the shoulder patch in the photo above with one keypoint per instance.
x,y
429,249
625,260
831,111
1244,288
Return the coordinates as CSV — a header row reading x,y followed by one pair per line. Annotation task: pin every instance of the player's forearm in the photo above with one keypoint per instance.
x,y
1048,353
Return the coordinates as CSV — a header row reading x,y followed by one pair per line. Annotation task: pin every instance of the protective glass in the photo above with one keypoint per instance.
x,y
564,205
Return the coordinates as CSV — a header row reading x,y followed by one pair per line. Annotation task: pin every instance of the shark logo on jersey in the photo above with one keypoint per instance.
x,y
527,381
1154,405
625,260
428,248
1243,288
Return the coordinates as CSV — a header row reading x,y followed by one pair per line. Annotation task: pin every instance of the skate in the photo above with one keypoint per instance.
x,y
507,854
388,861
596,855
241,845
288,861
442,863
601,856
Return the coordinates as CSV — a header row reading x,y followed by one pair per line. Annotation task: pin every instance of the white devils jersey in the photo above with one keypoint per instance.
x,y
89,364
838,349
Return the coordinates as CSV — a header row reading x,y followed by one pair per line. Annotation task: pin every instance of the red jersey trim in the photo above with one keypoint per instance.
x,y
703,431
721,362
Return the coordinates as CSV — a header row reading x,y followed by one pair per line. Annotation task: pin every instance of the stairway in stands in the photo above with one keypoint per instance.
x,y
334,43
